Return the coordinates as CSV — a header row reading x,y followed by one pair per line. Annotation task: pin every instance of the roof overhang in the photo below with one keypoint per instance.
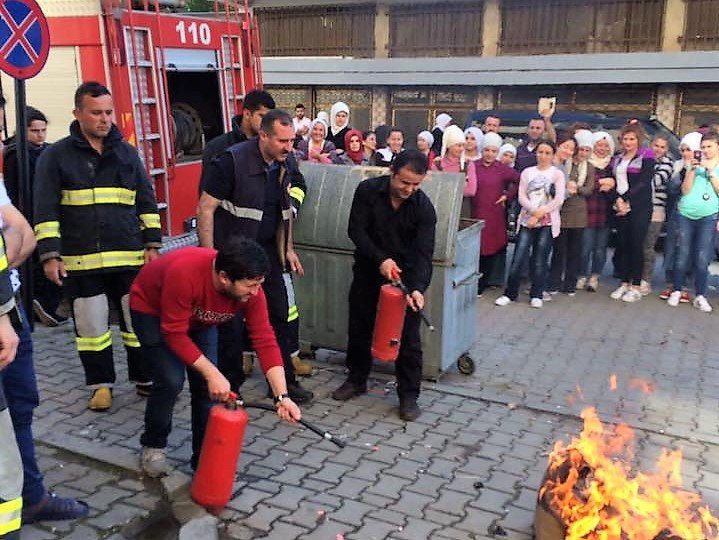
x,y
623,68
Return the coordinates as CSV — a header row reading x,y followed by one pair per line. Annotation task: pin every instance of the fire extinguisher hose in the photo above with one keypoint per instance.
x,y
324,434
402,287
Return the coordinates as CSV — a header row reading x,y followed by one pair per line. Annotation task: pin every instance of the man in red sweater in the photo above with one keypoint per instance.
x,y
176,303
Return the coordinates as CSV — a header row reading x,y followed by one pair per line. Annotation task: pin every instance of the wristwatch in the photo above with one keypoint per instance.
x,y
278,399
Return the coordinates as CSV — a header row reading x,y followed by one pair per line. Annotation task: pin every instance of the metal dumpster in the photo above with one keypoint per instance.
x,y
320,236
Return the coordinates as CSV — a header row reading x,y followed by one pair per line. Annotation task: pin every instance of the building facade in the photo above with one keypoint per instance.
x,y
401,63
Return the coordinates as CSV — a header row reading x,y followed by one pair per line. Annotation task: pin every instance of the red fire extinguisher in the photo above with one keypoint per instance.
x,y
388,323
221,447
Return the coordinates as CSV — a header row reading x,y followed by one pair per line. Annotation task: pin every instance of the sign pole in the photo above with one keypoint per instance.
x,y
24,192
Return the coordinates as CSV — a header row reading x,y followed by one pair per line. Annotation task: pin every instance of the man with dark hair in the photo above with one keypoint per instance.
x,y
301,123
256,105
491,124
392,224
176,302
96,224
247,192
47,294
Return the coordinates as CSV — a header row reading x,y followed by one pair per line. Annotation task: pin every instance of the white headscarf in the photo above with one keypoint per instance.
x,y
478,135
506,148
442,121
584,138
491,139
318,121
426,136
693,140
594,159
338,108
322,115
452,135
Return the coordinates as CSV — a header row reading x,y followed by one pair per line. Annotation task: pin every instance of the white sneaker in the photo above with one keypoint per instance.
x,y
536,303
593,284
546,296
503,300
701,303
154,462
673,299
581,283
632,295
645,288
619,292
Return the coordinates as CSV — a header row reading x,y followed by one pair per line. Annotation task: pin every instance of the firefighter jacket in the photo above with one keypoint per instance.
x,y
95,212
218,145
238,180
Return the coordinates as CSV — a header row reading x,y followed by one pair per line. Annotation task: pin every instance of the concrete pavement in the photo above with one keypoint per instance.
x,y
468,468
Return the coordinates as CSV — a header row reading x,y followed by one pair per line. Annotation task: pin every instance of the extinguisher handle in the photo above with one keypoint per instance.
x,y
322,433
402,287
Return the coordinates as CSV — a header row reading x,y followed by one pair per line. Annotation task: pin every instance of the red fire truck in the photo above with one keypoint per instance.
x,y
177,79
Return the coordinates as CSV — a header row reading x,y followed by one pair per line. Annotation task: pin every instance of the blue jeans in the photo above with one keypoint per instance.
x,y
539,240
20,387
168,378
594,251
696,245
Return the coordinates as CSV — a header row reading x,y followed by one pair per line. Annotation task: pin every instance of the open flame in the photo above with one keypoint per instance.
x,y
591,487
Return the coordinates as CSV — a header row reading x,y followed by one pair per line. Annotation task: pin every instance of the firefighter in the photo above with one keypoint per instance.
x,y
96,224
47,294
392,224
246,192
11,476
176,303
255,106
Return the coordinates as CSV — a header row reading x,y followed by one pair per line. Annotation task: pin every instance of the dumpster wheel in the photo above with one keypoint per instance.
x,y
465,364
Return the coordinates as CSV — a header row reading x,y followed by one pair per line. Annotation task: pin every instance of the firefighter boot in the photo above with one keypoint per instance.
x,y
101,399
303,369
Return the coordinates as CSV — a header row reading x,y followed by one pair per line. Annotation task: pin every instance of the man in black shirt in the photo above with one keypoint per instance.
x,y
392,224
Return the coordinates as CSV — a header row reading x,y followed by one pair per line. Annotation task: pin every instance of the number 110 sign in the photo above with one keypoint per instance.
x,y
194,33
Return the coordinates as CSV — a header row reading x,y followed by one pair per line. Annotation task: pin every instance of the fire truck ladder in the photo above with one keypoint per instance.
x,y
147,107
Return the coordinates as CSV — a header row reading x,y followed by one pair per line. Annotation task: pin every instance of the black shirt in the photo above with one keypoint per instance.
x,y
380,232
272,212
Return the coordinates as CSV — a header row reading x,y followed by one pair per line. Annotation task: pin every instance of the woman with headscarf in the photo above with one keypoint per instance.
x,y
451,158
354,154
490,187
317,149
339,124
507,154
567,247
425,140
599,202
690,143
473,147
440,124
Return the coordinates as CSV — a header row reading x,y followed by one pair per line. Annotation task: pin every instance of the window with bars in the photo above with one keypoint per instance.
x,y
580,26
317,31
702,25
437,29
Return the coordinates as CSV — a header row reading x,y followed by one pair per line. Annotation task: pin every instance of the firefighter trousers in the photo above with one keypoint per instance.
x,y
90,297
364,293
10,476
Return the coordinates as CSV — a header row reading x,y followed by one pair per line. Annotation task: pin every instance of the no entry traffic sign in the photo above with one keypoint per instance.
x,y
24,38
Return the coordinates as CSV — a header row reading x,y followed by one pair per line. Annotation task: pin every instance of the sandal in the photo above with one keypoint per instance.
x,y
54,508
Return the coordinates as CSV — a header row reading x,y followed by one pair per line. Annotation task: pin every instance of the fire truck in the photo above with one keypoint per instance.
x,y
177,79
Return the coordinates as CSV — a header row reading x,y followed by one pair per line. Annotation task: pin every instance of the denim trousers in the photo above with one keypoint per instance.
x,y
20,386
594,251
539,241
168,378
696,248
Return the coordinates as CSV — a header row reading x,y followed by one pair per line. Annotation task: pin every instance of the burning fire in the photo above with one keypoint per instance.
x,y
591,487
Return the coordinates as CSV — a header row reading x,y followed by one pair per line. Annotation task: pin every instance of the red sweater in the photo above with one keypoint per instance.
x,y
178,289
